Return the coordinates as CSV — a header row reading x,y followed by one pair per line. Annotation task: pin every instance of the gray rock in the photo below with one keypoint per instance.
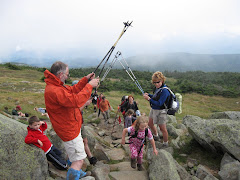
x,y
202,173
172,131
171,119
101,171
163,166
129,175
101,133
122,166
116,154
182,172
233,115
19,160
100,153
230,168
227,159
215,134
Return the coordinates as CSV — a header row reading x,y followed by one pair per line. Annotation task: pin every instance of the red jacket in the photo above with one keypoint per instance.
x,y
33,136
63,103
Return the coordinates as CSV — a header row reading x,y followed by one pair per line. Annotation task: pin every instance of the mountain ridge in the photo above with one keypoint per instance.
x,y
178,61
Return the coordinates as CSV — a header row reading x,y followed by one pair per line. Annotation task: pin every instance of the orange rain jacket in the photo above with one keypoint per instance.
x,y
63,103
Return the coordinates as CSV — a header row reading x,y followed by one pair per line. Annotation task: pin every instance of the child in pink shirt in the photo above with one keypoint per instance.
x,y
136,140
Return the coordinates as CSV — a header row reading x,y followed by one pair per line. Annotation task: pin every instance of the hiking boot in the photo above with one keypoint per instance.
x,y
139,167
133,163
93,160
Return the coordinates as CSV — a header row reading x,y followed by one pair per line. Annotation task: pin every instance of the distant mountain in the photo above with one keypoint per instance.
x,y
166,61
186,62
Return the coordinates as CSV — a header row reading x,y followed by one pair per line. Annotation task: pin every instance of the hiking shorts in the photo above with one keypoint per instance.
x,y
158,116
75,149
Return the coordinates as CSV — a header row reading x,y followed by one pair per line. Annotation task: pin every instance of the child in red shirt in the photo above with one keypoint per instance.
x,y
37,137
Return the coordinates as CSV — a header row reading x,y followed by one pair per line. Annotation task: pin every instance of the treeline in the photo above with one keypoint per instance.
x,y
226,84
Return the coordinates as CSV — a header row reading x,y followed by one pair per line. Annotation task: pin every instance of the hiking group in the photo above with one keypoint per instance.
x,y
65,104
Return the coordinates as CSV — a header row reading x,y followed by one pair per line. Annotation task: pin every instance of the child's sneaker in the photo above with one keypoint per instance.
x,y
133,163
139,167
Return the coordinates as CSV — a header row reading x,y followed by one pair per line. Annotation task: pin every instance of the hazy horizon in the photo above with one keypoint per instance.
x,y
64,30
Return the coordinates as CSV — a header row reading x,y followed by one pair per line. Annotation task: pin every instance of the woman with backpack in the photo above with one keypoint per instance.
x,y
158,101
129,104
138,133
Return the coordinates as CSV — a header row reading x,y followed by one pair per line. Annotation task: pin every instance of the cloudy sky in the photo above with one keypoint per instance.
x,y
89,28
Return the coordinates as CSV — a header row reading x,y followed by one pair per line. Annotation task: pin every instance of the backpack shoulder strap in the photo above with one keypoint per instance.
x,y
146,132
169,90
134,135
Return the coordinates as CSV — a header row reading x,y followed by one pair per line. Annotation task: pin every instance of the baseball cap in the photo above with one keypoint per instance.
x,y
18,107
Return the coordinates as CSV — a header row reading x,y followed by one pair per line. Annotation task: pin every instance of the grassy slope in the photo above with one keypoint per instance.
x,y
13,88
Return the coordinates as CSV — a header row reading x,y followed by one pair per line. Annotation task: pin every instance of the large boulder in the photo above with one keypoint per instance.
x,y
215,134
19,160
230,168
233,115
163,165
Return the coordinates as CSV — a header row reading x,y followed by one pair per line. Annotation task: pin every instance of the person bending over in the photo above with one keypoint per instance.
x,y
62,103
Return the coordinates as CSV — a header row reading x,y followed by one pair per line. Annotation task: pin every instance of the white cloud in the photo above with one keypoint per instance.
x,y
58,25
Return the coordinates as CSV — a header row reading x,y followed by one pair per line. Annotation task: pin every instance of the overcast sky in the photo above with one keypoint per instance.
x,y
88,28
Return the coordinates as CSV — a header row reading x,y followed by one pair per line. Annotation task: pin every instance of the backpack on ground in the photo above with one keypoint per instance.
x,y
173,104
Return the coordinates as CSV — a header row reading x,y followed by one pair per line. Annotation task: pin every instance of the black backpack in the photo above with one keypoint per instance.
x,y
171,104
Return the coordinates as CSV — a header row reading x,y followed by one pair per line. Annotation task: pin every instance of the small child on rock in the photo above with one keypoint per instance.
x,y
138,133
37,137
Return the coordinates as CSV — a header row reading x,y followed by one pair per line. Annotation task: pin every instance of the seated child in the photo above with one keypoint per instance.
x,y
138,133
37,137
16,111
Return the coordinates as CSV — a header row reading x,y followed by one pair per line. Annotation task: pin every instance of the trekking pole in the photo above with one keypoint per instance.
x,y
126,25
134,79
110,67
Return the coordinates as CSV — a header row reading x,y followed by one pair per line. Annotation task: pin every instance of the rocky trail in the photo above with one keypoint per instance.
x,y
219,133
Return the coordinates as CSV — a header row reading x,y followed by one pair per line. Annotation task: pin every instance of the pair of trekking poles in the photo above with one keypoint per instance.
x,y
109,53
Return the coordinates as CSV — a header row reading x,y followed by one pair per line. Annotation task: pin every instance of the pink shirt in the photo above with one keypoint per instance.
x,y
141,134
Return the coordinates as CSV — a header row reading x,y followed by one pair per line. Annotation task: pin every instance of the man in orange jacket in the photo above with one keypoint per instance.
x,y
62,104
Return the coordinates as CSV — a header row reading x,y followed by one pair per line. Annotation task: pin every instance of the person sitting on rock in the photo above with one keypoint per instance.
x,y
138,133
42,110
16,111
37,137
